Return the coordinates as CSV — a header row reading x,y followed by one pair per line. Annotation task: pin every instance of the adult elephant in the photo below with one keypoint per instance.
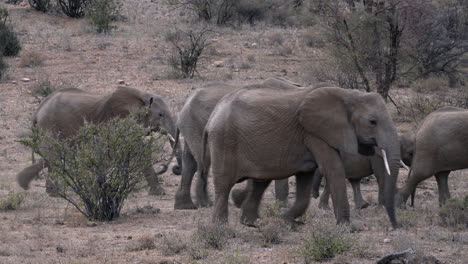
x,y
263,135
191,122
437,148
64,112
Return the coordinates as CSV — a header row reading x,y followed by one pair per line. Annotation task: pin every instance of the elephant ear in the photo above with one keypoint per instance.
x,y
324,114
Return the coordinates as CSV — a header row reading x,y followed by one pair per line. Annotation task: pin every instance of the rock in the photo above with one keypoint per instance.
x,y
408,256
25,79
91,224
218,64
23,4
120,82
253,45
386,240
14,82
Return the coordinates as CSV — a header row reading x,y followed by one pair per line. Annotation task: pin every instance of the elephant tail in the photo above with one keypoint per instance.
x,y
205,160
413,193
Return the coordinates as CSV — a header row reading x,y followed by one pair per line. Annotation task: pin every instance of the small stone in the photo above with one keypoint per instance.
x,y
120,82
386,240
25,79
14,82
253,45
91,224
23,4
218,64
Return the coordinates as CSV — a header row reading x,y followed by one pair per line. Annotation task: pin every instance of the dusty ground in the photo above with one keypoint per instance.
x,y
48,230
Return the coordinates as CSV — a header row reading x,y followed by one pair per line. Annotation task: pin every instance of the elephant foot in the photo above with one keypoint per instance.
x,y
238,197
291,222
324,206
249,220
176,170
156,190
363,204
204,203
184,204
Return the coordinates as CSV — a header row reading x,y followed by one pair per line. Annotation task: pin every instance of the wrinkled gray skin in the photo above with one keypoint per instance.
x,y
191,122
260,135
64,111
438,147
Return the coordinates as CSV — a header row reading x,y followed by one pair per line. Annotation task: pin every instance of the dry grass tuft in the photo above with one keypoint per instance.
x,y
12,201
270,230
214,236
172,244
455,213
146,242
31,59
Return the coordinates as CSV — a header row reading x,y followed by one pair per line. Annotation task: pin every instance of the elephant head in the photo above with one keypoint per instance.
x,y
156,116
407,141
354,122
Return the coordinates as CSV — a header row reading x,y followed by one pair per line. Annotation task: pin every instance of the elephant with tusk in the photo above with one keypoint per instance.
x,y
64,111
262,135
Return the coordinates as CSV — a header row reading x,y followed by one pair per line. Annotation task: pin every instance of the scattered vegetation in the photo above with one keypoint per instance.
x,y
270,230
12,201
43,88
407,218
146,242
325,244
102,12
214,236
9,42
40,5
31,59
73,8
455,213
3,67
172,244
235,258
187,49
102,164
197,250
272,209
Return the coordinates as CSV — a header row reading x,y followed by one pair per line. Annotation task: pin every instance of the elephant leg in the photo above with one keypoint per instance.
x,y
153,182
331,166
316,184
303,190
282,191
442,185
410,186
25,177
359,201
249,210
182,197
325,197
201,190
238,195
222,188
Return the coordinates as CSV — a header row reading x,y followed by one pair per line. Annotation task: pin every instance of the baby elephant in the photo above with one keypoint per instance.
x,y
64,111
438,147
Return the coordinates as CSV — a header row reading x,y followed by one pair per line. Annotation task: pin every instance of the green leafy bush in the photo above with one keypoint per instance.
x,y
12,201
102,164
9,42
102,12
325,244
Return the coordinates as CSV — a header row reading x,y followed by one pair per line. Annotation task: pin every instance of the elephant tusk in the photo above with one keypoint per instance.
x,y
171,138
384,156
404,165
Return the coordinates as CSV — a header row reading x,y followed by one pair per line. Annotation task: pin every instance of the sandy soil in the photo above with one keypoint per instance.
x,y
48,230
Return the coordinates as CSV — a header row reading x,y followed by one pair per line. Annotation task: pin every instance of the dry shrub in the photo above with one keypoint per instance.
x,y
40,5
197,250
3,67
235,258
146,242
324,244
407,218
431,84
455,213
172,244
214,236
31,59
272,209
270,230
43,88
12,201
9,42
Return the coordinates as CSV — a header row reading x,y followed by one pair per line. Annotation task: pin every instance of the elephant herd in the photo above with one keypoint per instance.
x,y
270,131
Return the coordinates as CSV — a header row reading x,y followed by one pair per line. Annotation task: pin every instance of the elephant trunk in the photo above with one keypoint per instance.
x,y
175,144
392,148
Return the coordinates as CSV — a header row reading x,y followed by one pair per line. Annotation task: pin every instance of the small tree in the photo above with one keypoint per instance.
x,y
9,43
102,12
188,47
102,164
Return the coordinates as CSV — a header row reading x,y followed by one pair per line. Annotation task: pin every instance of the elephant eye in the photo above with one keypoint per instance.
x,y
373,122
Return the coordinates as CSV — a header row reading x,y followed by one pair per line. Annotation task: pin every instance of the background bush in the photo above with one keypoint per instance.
x,y
73,8
102,164
9,42
40,5
101,13
3,67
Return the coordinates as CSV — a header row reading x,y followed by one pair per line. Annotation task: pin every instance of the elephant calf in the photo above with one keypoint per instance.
x,y
64,111
438,147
